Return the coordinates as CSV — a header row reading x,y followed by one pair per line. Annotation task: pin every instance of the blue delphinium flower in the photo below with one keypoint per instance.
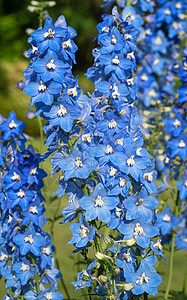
x,y
23,242
98,144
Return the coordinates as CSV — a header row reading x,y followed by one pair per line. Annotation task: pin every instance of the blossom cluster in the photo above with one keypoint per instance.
x,y
26,252
107,174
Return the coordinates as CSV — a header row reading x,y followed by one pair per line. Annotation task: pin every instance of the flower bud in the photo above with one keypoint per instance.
x,y
102,256
130,242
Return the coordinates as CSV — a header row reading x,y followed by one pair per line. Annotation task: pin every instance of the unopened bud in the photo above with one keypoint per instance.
x,y
126,286
117,271
103,278
130,242
102,256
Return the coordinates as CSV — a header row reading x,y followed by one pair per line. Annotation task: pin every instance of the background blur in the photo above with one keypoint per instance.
x,y
82,15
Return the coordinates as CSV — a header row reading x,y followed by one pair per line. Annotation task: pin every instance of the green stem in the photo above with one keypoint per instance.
x,y
70,144
170,266
41,130
145,296
36,276
128,3
62,280
98,242
138,257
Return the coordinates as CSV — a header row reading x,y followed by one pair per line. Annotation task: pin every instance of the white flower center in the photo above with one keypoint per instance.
x,y
158,245
33,171
114,40
130,81
78,163
42,87
112,124
34,49
122,182
51,65
16,177
24,267
166,218
12,124
62,111
48,296
21,193
144,77
152,93
115,94
167,12
185,183
3,257
113,171
86,137
176,25
33,209
128,36
177,123
182,144
98,202
178,5
29,239
138,230
84,231
139,201
130,55
67,44
158,41
109,149
72,91
116,60
156,61
142,279
119,141
49,34
138,151
46,250
126,256
118,212
148,176
130,161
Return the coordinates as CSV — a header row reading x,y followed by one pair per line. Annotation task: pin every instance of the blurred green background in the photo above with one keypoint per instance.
x,y
82,15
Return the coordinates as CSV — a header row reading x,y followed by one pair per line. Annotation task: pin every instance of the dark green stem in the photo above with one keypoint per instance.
x,y
62,280
36,276
128,2
170,266
172,250
145,296
70,144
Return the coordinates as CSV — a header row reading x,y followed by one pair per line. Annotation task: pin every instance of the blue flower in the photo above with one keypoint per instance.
x,y
138,230
79,164
24,270
140,205
12,127
144,280
84,278
50,67
166,221
62,114
99,204
29,241
82,233
42,92
50,36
